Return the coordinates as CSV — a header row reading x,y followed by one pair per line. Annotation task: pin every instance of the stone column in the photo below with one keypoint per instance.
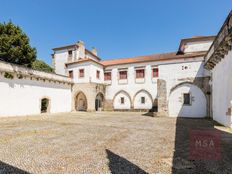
x,y
162,98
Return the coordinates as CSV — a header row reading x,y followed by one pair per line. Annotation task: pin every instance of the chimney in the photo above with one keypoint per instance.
x,y
94,51
81,49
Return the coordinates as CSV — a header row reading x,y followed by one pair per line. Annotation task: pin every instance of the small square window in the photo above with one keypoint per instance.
x,y
122,100
140,73
187,98
98,74
107,76
70,74
122,75
81,73
142,100
155,72
70,52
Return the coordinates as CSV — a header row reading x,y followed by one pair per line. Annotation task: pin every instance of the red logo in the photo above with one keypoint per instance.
x,y
205,144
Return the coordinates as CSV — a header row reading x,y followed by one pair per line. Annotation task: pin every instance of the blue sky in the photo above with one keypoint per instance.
x,y
117,28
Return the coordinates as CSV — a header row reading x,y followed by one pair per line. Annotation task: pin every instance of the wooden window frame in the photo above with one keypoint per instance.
x,y
155,74
139,76
105,76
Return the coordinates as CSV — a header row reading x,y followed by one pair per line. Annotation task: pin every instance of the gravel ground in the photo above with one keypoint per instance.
x,y
104,143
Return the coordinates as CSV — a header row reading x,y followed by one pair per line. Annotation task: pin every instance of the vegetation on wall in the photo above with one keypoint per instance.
x,y
8,75
14,45
15,48
41,66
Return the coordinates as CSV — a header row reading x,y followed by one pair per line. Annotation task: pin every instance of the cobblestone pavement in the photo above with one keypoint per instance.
x,y
105,142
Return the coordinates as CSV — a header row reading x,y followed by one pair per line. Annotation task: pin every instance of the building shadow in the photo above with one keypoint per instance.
x,y
120,165
182,160
151,112
9,169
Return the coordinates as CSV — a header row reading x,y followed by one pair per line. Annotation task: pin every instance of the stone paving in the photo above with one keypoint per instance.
x,y
105,142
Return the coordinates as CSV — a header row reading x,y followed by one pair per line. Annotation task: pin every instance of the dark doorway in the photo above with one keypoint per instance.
x,y
99,102
44,105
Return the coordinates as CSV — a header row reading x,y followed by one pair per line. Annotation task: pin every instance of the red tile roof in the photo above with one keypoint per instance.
x,y
153,57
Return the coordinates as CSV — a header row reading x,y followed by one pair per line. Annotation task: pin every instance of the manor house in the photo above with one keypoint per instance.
x,y
194,81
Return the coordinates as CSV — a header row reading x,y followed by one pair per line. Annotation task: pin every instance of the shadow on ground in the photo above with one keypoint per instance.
x,y
118,164
182,160
9,169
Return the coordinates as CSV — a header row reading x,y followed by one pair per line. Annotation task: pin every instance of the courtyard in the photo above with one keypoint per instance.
x,y
106,142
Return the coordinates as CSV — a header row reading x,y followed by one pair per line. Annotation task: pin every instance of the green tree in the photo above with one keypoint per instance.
x,y
14,45
41,66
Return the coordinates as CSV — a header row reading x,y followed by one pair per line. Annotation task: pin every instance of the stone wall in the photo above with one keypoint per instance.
x,y
90,90
162,98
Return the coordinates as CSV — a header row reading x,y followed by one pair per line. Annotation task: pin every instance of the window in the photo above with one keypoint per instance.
x,y
81,73
142,100
98,74
155,72
187,98
70,53
122,75
70,74
107,76
139,73
122,100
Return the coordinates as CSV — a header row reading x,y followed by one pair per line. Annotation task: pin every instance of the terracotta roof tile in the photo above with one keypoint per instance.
x,y
153,57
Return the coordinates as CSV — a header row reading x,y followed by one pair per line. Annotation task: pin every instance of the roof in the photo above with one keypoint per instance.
x,y
152,57
84,60
74,46
196,39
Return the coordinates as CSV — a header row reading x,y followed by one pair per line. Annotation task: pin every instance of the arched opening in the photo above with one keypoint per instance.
x,y
99,102
122,101
187,100
45,103
81,102
143,100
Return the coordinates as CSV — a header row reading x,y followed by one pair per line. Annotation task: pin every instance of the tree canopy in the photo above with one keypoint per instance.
x,y
41,66
15,46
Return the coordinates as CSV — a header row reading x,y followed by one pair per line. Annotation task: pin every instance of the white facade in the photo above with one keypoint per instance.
x,y
222,90
23,94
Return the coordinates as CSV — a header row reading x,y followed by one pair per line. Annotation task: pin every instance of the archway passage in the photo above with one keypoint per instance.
x,y
81,102
187,100
99,102
44,105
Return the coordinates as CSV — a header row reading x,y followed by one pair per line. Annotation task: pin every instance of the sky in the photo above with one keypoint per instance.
x,y
117,28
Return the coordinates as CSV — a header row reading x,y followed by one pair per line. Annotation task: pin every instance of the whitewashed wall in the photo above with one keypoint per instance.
x,y
222,90
61,57
196,109
173,72
197,46
23,96
90,69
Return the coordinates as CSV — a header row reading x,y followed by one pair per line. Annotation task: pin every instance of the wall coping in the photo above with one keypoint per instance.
x,y
28,72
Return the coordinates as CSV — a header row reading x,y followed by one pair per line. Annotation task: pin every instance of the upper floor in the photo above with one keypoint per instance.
x,y
85,66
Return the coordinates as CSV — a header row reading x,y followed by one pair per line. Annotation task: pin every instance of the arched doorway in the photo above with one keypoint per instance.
x,y
81,102
45,105
99,102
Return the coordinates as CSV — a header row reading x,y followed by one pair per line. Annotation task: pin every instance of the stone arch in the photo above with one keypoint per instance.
x,y
99,101
123,94
81,103
141,106
198,107
45,104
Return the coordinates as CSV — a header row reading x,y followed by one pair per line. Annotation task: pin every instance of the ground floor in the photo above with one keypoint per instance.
x,y
106,142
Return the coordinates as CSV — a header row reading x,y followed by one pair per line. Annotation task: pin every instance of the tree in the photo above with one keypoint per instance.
x,y
14,45
41,66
